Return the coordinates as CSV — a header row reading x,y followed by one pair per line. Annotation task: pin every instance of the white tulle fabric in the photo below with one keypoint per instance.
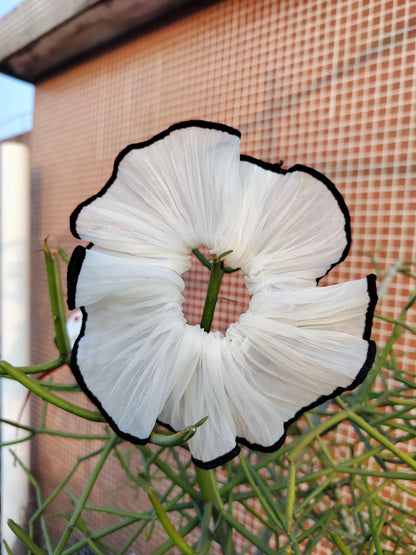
x,y
296,342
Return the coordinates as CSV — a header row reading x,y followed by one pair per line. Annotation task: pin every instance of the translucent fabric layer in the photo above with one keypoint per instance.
x,y
291,230
297,344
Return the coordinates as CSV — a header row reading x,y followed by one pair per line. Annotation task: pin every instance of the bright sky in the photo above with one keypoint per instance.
x,y
16,97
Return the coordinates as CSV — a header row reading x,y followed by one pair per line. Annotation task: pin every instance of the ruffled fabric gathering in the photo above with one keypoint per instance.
x,y
296,346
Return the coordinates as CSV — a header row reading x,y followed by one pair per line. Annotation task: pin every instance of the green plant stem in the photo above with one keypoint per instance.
x,y
42,507
192,524
85,494
375,531
340,544
97,536
39,390
314,493
381,439
36,368
167,524
206,478
167,469
212,295
205,539
57,303
321,443
291,495
148,516
252,538
316,432
62,253
205,484
202,258
58,433
37,489
203,476
396,322
21,534
269,508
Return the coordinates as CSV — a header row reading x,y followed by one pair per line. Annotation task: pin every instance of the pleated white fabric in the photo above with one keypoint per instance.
x,y
296,345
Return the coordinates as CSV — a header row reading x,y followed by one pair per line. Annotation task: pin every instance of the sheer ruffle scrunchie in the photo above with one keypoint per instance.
x,y
296,346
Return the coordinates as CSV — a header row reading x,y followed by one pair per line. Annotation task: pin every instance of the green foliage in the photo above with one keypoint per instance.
x,y
319,489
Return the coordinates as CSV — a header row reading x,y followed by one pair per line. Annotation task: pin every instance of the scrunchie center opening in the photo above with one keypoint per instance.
x,y
234,296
